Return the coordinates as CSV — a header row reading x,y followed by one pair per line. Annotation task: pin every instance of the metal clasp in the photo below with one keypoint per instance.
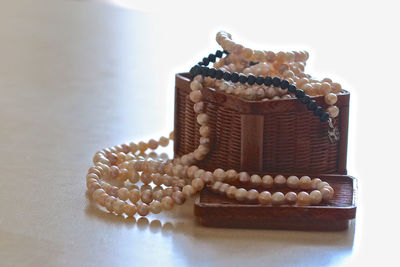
x,y
333,132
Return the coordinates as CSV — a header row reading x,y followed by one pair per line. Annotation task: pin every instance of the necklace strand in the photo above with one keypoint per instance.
x,y
173,181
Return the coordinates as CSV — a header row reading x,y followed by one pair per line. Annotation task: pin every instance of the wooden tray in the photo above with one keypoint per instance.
x,y
214,210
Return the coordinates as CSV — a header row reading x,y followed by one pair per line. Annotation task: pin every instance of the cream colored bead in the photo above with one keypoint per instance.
x,y
258,56
97,193
195,85
330,99
118,206
206,176
191,171
155,207
178,197
303,199
280,180
247,53
195,96
158,195
123,193
167,203
205,131
202,118
216,186
270,56
267,181
290,197
305,182
325,88
143,209
130,210
336,88
316,197
133,147
163,141
293,182
198,107
315,182
231,192
322,185
147,196
188,190
252,195
244,177
134,195
265,198
327,193
197,184
222,189
142,146
109,203
240,194
278,198
153,144
255,180
219,174
333,111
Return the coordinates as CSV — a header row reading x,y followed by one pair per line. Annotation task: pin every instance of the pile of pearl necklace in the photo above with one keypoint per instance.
x,y
287,65
177,180
174,182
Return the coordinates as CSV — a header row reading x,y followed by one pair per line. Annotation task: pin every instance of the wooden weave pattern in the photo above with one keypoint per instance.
x,y
294,140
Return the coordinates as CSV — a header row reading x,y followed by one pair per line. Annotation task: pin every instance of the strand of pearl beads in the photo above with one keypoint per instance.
x,y
289,65
174,182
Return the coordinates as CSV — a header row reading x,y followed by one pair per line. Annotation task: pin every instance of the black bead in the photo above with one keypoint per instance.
x,y
318,111
292,88
212,72
324,116
192,72
206,61
219,74
204,71
276,82
300,93
312,105
218,53
260,80
242,78
251,79
268,81
226,52
253,63
235,77
227,76
284,84
200,63
211,57
305,99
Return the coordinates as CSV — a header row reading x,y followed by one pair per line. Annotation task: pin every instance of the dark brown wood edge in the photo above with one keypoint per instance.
x,y
317,217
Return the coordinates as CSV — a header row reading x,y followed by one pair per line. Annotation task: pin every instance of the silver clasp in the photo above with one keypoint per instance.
x,y
333,132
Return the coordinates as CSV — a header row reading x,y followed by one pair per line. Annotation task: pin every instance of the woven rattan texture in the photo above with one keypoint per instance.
x,y
294,140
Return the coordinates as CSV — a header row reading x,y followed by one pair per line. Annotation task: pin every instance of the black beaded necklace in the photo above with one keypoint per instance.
x,y
202,69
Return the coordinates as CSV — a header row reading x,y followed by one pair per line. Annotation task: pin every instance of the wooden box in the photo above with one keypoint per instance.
x,y
279,136
261,136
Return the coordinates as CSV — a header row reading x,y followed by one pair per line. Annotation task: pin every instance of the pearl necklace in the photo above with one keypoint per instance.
x,y
287,65
174,182
178,179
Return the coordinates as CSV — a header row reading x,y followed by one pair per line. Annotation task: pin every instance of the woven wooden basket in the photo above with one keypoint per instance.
x,y
277,136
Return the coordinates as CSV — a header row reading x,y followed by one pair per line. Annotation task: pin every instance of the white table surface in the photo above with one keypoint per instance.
x,y
78,76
